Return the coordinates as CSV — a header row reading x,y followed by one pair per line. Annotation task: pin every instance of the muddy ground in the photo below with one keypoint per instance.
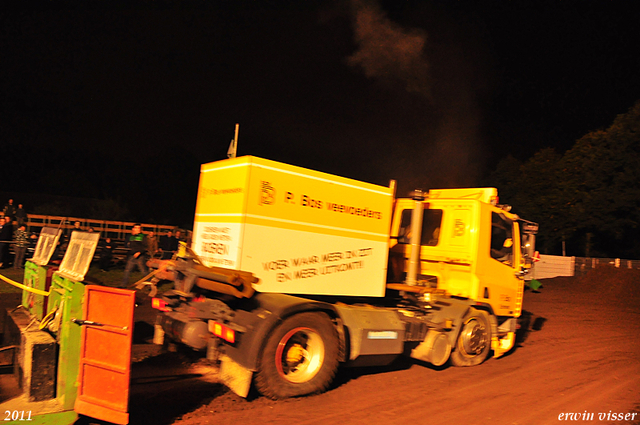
x,y
578,353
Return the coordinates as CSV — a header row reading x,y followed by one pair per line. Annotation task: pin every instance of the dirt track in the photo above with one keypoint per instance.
x,y
580,354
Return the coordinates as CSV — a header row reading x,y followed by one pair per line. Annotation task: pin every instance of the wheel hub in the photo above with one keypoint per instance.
x,y
474,337
300,355
296,355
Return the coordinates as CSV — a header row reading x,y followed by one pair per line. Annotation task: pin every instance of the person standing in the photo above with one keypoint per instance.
x,y
152,244
76,228
22,242
137,247
168,244
1,243
10,209
177,241
106,254
6,237
21,215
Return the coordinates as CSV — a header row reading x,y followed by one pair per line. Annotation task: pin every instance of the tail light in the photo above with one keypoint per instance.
x,y
160,304
222,331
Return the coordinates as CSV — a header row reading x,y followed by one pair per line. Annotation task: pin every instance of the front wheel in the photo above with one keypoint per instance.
x,y
299,358
474,341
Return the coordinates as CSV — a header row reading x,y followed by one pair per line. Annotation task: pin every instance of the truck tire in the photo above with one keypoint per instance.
x,y
300,357
474,341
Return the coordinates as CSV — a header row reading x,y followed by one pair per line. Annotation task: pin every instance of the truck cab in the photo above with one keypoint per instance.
x,y
470,248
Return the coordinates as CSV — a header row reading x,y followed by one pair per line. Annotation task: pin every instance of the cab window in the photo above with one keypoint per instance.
x,y
501,239
431,223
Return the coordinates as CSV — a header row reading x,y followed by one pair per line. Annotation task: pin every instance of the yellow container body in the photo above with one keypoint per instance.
x,y
300,231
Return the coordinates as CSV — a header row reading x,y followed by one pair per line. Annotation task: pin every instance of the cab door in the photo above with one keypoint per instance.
x,y
499,262
105,354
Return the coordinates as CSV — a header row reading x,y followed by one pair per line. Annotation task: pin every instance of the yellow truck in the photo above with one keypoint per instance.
x,y
294,272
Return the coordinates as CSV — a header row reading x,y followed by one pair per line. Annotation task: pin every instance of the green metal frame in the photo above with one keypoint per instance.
x,y
36,277
66,298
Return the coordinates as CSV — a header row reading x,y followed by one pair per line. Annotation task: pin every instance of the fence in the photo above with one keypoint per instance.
x,y
107,229
116,230
583,265
553,265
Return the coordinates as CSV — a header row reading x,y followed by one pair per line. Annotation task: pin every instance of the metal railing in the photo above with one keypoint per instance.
x,y
107,228
584,264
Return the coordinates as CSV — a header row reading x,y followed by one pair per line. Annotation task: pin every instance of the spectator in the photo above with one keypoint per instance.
x,y
22,242
6,237
21,215
164,241
1,243
178,240
106,254
137,248
168,244
76,227
152,244
9,209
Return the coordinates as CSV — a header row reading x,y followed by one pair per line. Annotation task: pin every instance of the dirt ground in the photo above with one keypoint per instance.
x,y
578,353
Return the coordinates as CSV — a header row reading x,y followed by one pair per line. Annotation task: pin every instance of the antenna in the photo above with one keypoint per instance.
x,y
233,147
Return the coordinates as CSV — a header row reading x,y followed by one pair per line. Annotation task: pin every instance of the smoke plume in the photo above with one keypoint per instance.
x,y
386,51
442,145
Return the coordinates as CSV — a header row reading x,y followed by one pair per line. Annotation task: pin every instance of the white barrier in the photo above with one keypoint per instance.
x,y
553,266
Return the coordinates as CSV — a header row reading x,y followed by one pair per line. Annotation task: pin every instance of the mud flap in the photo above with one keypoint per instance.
x,y
235,376
504,344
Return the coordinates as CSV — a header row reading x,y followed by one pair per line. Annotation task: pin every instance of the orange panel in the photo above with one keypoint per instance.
x,y
103,387
102,346
109,307
105,354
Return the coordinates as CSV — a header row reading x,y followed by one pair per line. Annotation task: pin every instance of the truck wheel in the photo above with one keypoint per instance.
x,y
299,358
474,340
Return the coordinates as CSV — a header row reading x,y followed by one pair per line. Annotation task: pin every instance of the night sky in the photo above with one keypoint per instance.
x,y
124,100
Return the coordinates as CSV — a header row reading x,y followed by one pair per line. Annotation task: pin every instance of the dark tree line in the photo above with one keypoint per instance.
x,y
588,197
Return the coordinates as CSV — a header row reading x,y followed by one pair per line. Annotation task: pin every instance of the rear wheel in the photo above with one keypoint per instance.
x,y
474,341
299,358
